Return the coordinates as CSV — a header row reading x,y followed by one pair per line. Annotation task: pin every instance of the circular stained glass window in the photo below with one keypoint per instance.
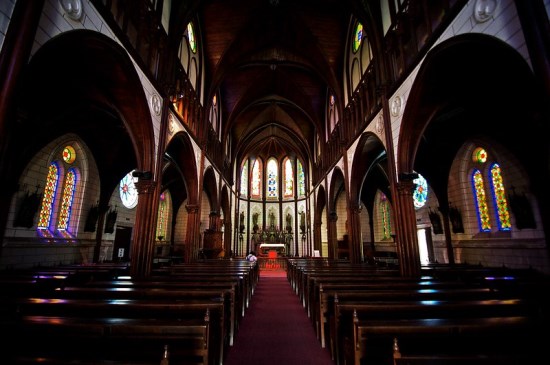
x,y
420,194
357,37
69,154
191,37
128,191
479,155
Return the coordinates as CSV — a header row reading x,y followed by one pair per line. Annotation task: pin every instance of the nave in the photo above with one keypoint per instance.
x,y
316,311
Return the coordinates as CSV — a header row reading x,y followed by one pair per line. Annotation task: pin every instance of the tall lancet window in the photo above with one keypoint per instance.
x,y
67,200
385,216
272,177
481,201
289,179
244,180
256,186
191,37
357,37
162,220
50,191
301,180
499,198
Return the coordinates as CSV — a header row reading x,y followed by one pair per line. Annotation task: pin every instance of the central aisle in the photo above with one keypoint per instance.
x,y
276,330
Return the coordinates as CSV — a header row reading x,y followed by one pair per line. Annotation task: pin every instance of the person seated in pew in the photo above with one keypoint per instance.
x,y
251,257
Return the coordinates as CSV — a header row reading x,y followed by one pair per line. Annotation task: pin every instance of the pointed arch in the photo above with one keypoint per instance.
x,y
107,108
210,188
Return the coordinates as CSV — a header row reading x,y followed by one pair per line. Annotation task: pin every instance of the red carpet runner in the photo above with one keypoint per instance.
x,y
276,330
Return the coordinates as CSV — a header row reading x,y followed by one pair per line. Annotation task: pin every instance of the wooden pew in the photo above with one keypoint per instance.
x,y
134,290
295,266
153,319
225,292
107,340
236,279
360,279
325,312
306,274
474,273
350,325
245,277
485,341
311,279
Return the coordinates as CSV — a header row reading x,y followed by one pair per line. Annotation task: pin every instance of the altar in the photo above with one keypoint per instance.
x,y
265,248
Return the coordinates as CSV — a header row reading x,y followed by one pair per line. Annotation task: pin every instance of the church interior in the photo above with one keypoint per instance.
x,y
154,144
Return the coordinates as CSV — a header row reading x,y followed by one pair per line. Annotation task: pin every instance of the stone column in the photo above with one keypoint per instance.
x,y
15,52
214,221
354,232
405,227
143,242
536,29
331,232
447,230
193,233
103,209
317,242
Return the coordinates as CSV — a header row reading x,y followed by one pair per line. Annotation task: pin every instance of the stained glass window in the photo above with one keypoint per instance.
x,y
420,194
481,201
385,214
214,113
256,179
499,198
69,154
289,179
191,37
272,175
301,180
479,155
244,179
357,37
128,191
162,220
67,200
50,191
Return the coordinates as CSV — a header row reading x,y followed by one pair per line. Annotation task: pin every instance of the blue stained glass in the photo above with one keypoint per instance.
x,y
420,194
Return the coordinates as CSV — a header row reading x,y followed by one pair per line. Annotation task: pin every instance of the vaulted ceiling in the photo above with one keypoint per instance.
x,y
273,62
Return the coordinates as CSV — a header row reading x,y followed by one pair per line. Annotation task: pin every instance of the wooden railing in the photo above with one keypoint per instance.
x,y
266,263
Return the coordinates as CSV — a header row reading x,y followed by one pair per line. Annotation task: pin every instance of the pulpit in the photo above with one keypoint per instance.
x,y
212,244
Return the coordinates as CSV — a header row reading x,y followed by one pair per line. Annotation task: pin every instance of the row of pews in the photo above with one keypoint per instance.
x,y
452,314
99,314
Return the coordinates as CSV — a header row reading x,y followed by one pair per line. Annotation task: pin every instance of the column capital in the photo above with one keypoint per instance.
x,y
355,208
145,186
405,187
192,208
